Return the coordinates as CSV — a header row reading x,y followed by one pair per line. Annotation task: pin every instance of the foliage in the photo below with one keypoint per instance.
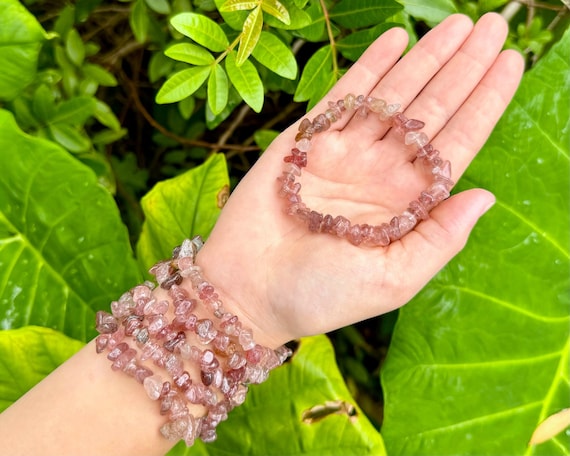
x,y
127,113
493,348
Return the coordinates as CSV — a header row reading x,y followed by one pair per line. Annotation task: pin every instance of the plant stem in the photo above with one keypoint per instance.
x,y
331,36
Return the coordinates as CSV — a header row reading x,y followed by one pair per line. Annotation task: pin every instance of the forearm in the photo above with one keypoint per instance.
x,y
84,408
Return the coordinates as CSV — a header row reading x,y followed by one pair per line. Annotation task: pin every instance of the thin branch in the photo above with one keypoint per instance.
x,y
330,35
232,127
181,139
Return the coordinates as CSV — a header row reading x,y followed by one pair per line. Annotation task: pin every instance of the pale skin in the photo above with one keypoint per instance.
x,y
285,282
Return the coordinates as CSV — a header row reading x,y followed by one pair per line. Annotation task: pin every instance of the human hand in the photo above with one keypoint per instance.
x,y
286,282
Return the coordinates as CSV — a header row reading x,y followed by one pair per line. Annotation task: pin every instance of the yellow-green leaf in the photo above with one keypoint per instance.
x,y
217,89
250,35
182,84
238,5
246,80
274,54
201,29
277,10
189,53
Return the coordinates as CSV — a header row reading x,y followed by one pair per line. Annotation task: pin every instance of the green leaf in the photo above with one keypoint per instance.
x,y
249,35
182,84
21,37
159,6
270,422
481,357
218,89
363,13
237,5
317,78
298,18
277,10
99,74
64,252
433,12
33,353
274,54
263,138
105,115
201,29
74,111
43,103
139,20
182,207
74,47
246,80
352,46
189,53
69,137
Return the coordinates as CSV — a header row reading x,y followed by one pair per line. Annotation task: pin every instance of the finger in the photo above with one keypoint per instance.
x,y
411,74
468,130
452,85
365,73
437,240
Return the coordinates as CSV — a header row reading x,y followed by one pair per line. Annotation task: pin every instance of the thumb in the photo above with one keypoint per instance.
x,y
437,240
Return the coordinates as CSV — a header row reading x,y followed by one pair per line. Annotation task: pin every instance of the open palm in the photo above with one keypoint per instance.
x,y
288,282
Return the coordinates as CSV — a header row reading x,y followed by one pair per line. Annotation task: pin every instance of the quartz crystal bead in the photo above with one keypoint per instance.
x,y
354,235
141,373
341,225
154,307
101,342
245,339
174,430
406,223
116,352
173,365
148,350
380,235
122,308
192,431
205,331
327,223
315,219
349,101
376,105
438,191
321,123
416,138
153,386
156,323
418,210
395,229
132,323
183,381
388,111
105,322
239,395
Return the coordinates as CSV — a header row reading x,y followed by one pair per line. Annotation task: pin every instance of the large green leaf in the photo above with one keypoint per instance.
x,y
270,423
481,357
317,77
182,84
201,29
33,353
64,252
275,55
182,207
363,13
21,37
249,35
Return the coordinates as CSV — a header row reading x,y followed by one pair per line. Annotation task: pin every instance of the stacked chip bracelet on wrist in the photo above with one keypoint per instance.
x,y
206,362
373,235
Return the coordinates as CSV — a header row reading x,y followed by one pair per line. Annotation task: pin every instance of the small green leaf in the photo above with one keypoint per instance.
x,y
181,207
274,54
186,107
249,35
363,13
201,29
69,137
74,111
218,89
33,353
159,66
160,6
189,53
263,138
21,37
108,136
43,103
99,74
74,47
298,18
106,116
182,84
139,20
317,77
277,10
316,30
238,5
246,80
